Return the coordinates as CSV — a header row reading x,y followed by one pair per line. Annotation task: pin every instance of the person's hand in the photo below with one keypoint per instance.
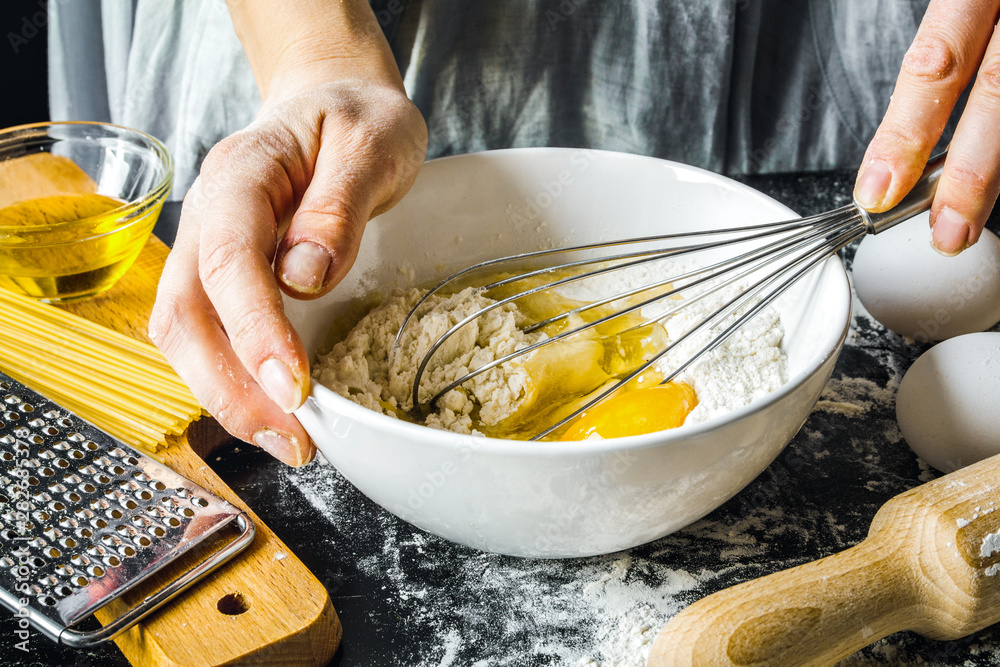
x,y
955,42
323,160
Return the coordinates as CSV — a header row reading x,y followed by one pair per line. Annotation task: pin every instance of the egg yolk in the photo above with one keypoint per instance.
x,y
635,413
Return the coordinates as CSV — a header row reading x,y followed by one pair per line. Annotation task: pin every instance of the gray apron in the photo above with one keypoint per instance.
x,y
736,86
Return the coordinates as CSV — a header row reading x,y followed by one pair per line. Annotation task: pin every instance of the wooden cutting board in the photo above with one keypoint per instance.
x,y
288,617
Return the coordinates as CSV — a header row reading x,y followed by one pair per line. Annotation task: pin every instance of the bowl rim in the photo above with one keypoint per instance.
x,y
320,395
129,212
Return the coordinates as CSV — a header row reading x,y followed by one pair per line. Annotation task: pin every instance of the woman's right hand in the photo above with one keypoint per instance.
x,y
322,158
957,41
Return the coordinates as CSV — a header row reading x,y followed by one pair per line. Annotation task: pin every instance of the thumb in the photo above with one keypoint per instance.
x,y
324,234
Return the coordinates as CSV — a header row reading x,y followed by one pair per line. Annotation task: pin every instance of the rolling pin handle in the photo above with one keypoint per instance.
x,y
815,614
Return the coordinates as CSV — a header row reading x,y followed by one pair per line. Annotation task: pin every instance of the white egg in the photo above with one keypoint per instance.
x,y
948,405
913,290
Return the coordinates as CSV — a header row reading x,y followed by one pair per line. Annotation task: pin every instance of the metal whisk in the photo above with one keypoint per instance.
x,y
779,254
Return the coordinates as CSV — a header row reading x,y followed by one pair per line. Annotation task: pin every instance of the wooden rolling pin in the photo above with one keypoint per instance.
x,y
930,564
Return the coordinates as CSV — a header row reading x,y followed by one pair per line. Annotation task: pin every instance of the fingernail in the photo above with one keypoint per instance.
x,y
951,232
873,185
283,447
304,267
280,385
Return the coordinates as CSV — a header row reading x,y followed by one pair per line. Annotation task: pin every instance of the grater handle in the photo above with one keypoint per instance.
x,y
150,604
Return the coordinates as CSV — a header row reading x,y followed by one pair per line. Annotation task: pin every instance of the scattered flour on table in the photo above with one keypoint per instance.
x,y
603,611
636,614
748,366
856,396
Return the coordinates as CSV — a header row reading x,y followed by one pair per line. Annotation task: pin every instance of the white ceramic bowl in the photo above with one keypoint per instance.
x,y
559,499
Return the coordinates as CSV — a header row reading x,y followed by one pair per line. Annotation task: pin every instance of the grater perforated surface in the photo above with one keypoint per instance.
x,y
84,517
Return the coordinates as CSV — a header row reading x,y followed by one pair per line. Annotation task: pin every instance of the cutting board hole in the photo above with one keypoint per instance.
x,y
233,604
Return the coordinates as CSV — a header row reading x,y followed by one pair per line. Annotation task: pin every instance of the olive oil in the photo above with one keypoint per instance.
x,y
69,246
56,209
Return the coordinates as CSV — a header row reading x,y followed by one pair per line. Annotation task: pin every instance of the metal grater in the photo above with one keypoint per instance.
x,y
85,518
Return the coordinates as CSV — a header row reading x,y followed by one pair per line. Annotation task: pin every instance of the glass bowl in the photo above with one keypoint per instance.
x,y
55,259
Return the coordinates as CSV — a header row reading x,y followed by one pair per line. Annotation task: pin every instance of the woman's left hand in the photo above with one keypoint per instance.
x,y
956,40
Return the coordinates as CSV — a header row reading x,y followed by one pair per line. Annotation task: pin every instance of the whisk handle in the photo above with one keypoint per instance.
x,y
916,202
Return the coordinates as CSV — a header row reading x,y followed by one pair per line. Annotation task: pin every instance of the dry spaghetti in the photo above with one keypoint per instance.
x,y
124,386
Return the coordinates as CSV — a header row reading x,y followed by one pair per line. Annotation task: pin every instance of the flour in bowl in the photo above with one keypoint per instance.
x,y
359,368
520,397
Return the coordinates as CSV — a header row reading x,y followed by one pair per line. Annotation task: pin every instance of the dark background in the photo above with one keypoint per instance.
x,y
23,62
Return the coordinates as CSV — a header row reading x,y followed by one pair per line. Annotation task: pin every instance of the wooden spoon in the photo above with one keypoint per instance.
x,y
930,564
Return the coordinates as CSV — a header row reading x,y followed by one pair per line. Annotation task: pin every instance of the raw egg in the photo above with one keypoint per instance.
x,y
635,413
947,402
910,288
